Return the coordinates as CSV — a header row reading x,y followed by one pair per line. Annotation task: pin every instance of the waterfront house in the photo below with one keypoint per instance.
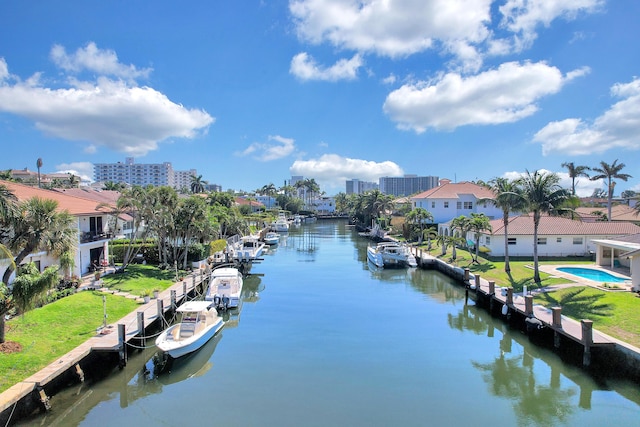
x,y
622,251
557,236
93,227
450,200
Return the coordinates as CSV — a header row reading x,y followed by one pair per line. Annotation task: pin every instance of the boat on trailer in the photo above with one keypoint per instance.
x,y
199,322
391,254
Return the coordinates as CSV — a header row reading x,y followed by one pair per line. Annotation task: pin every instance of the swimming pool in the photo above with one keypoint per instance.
x,y
592,274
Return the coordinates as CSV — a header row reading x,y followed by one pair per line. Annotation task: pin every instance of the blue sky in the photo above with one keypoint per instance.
x,y
252,92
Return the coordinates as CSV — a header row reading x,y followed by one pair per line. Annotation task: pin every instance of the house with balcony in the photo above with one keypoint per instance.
x,y
93,227
452,199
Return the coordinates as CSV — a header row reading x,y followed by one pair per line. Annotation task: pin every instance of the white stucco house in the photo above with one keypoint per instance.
x,y
556,236
92,224
621,251
450,200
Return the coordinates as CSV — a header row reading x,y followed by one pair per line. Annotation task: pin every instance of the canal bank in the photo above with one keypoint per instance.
x,y
110,347
324,339
595,351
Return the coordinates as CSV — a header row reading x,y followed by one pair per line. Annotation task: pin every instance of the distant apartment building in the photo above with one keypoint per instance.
x,y
143,174
407,185
355,186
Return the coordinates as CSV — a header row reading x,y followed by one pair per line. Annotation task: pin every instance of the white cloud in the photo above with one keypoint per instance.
x,y
102,62
392,29
331,170
82,169
506,94
523,17
114,114
460,28
305,67
584,186
268,151
618,127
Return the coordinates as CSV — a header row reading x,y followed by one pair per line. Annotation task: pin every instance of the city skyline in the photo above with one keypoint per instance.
x,y
254,93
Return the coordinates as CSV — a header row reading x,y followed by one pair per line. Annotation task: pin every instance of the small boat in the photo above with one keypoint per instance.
x,y
281,224
248,248
225,287
391,254
199,322
271,238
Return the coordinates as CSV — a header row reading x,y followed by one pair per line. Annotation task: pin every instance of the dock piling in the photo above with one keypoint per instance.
x,y
122,351
587,340
140,317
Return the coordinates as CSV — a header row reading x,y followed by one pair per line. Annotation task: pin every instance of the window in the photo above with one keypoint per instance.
x,y
577,240
558,239
512,241
542,240
487,240
433,205
458,205
468,205
446,204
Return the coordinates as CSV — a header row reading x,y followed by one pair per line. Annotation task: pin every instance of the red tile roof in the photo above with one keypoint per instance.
x,y
552,226
618,212
74,205
451,190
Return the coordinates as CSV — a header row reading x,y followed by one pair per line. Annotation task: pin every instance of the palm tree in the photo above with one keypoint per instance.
x,y
39,165
268,190
610,172
197,184
40,226
478,223
543,195
418,216
30,284
461,224
575,172
508,198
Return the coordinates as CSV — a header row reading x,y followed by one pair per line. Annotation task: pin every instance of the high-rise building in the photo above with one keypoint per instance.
x,y
355,186
143,174
407,185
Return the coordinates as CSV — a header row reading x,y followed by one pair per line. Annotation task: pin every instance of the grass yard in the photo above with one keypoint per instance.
x,y
614,313
521,271
49,332
137,278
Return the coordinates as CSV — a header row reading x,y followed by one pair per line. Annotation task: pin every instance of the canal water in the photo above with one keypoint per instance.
x,y
322,338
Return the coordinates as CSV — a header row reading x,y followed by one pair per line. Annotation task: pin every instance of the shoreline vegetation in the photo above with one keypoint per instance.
x,y
44,333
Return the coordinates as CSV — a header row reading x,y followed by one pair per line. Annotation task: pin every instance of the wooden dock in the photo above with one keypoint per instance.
x,y
536,316
115,337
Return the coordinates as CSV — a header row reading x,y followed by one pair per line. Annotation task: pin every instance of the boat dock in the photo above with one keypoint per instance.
x,y
127,332
535,317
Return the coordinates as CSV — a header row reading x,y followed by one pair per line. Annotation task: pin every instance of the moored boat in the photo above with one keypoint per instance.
x,y
225,287
271,238
199,322
391,254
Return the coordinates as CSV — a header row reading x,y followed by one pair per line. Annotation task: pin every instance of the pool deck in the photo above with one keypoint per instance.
x,y
574,280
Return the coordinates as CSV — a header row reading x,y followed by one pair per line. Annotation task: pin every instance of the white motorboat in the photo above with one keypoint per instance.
x,y
391,254
198,324
281,224
225,287
271,238
248,248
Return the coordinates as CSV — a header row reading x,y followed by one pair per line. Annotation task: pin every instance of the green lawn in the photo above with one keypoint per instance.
x,y
138,277
614,313
51,331
521,271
